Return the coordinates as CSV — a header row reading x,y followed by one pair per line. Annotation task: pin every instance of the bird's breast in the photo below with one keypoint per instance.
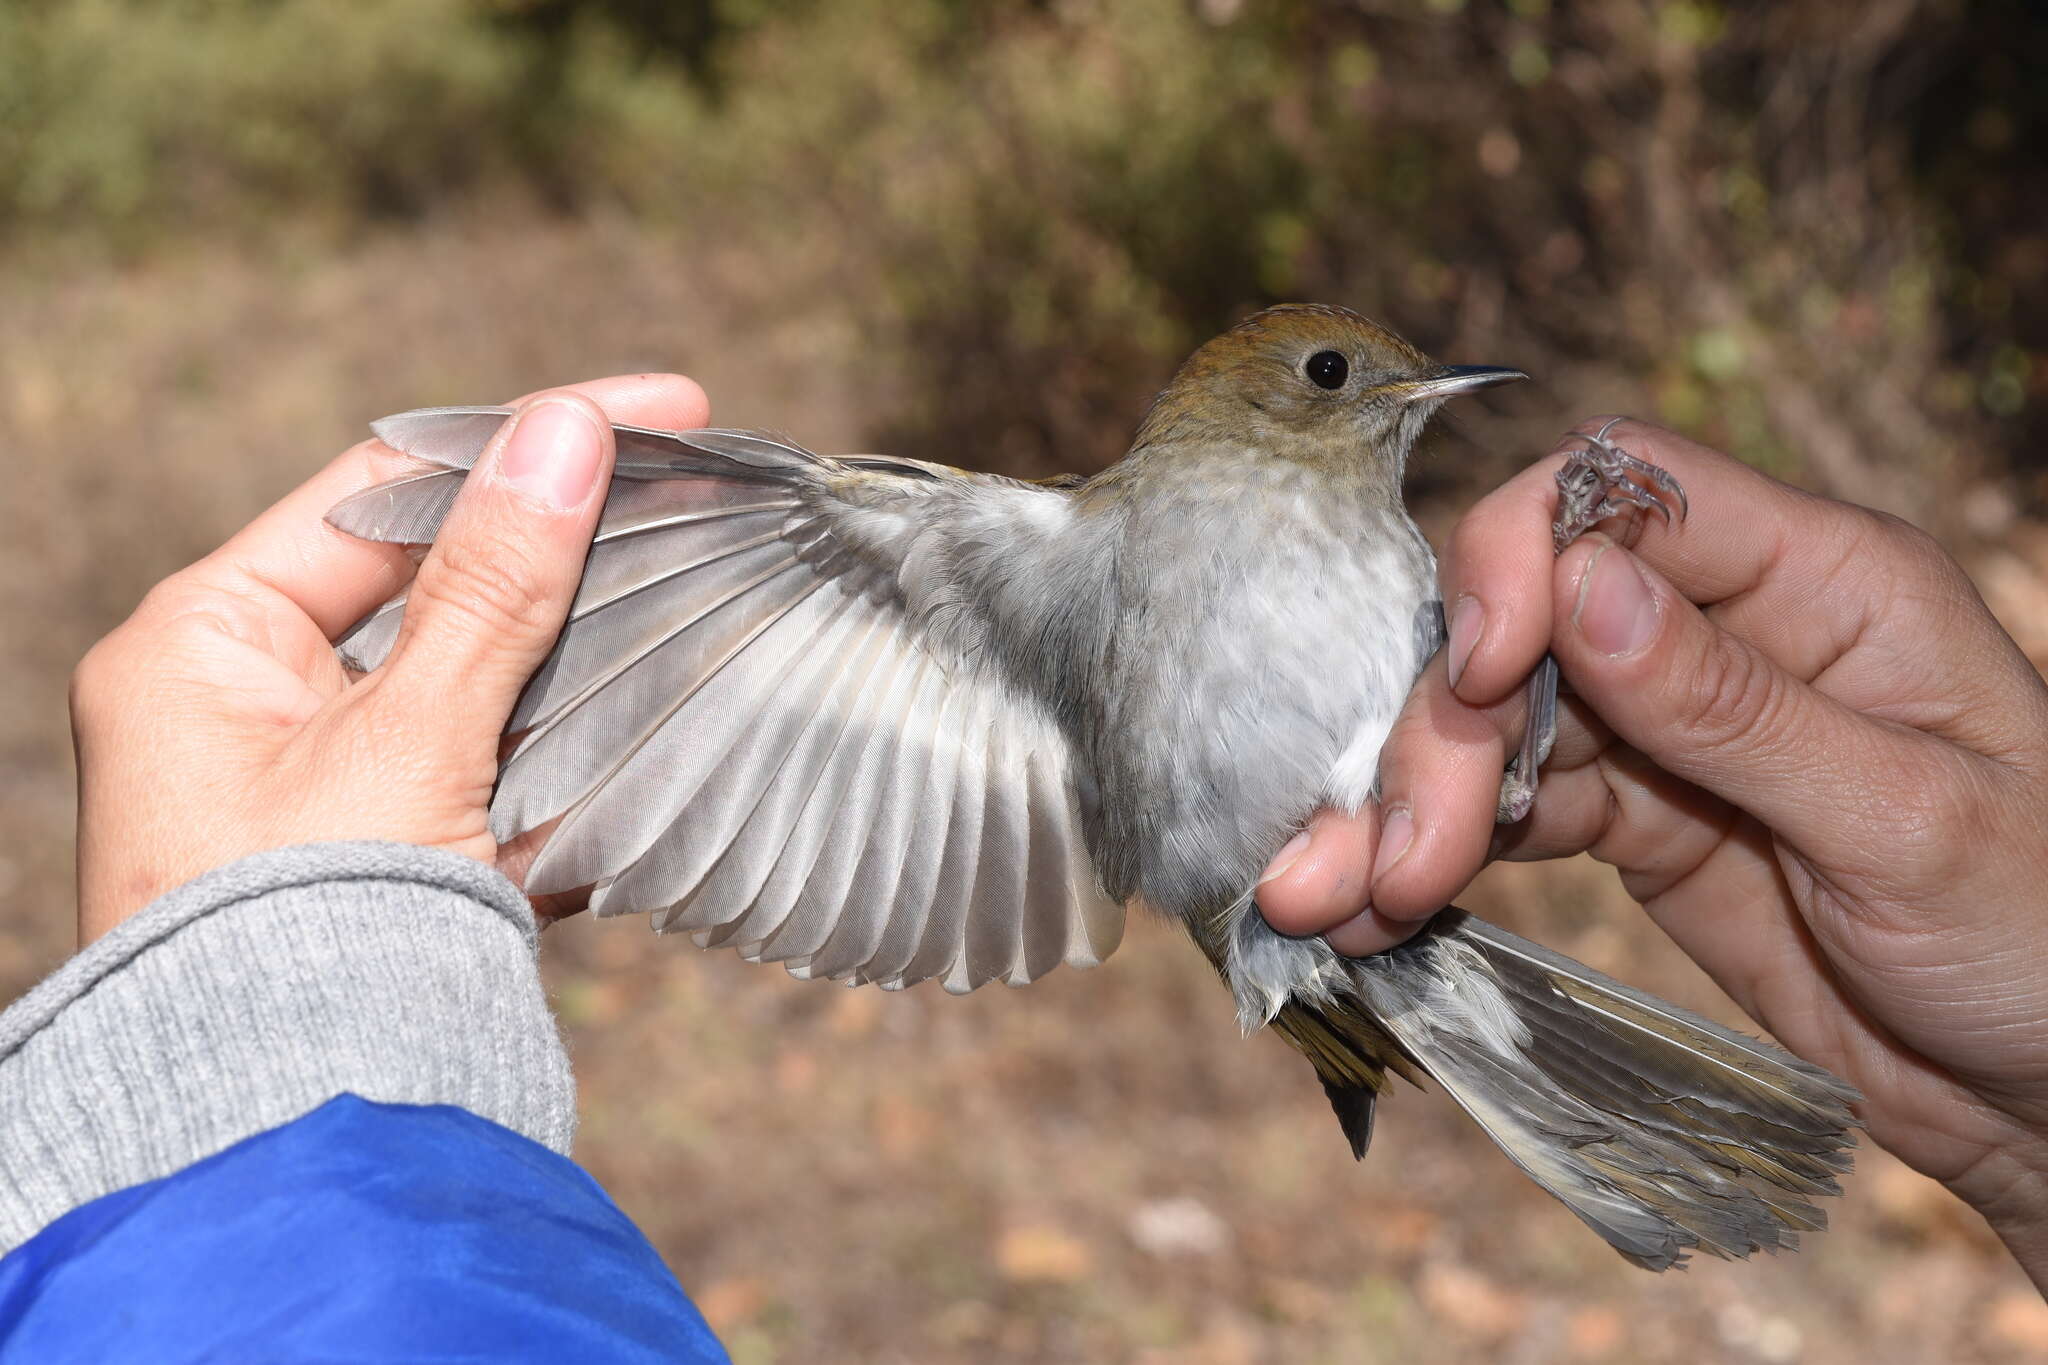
x,y
1266,641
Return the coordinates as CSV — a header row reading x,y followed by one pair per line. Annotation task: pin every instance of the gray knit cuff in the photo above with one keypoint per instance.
x,y
258,992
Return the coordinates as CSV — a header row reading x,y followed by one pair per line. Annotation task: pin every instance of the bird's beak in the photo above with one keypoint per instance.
x,y
1445,381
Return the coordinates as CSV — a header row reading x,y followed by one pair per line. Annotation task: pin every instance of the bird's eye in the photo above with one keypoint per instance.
x,y
1328,369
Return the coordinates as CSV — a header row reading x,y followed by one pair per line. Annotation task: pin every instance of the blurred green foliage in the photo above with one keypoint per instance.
x,y
1812,231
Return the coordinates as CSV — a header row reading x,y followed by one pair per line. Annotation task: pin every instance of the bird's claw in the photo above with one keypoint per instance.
x,y
1602,480
1517,796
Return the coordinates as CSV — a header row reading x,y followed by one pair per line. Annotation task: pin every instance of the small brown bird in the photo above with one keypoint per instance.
x,y
887,721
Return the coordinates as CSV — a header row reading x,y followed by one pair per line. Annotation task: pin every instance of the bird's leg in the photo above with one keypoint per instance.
x,y
1518,787
1595,483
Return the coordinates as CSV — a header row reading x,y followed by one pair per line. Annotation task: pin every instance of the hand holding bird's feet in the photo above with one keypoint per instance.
x,y
1813,755
1599,481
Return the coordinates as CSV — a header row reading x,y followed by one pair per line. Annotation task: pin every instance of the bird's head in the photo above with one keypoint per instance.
x,y
1312,383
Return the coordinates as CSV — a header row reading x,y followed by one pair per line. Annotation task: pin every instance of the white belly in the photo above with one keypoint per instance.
x,y
1264,681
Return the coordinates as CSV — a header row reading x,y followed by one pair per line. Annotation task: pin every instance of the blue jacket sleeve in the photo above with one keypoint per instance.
x,y
360,1232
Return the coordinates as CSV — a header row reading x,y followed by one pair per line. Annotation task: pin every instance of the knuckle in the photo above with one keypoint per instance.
x,y
1890,533
1911,557
1946,580
1898,533
169,602
94,676
1905,581
1729,695
160,626
489,579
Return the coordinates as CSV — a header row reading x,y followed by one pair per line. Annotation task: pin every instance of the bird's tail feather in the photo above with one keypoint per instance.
x,y
1662,1131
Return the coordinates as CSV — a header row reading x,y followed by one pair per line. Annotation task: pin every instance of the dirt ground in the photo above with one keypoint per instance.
x,y
1096,1169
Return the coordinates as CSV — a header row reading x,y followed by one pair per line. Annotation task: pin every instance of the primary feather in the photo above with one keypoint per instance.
x,y
763,673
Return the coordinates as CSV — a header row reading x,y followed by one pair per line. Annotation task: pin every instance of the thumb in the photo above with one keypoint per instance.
x,y
493,592
1708,706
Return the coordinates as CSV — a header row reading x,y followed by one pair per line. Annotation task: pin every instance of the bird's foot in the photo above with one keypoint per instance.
x,y
1602,480
1597,482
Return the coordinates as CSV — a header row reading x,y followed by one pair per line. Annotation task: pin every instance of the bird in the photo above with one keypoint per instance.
x,y
886,721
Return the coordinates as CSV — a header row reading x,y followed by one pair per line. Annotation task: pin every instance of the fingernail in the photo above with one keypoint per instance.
x,y
1616,613
1466,621
552,455
1397,831
1289,854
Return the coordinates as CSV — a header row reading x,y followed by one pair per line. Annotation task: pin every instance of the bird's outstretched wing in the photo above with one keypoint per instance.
x,y
746,731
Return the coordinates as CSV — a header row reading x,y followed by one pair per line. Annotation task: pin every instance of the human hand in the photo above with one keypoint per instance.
x,y
216,722
1826,778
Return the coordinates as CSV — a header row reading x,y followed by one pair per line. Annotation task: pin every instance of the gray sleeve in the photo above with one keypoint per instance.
x,y
257,993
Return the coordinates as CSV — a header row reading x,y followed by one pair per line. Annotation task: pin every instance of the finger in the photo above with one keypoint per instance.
x,y
335,579
1370,932
1581,735
1440,776
1744,526
666,402
1456,764
1495,572
1441,768
1835,594
493,592
1860,624
1711,708
1318,883
1320,878
291,560
1627,812
1582,746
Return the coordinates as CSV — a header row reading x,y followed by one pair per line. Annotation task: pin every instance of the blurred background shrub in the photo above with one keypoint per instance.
x,y
232,231
1814,232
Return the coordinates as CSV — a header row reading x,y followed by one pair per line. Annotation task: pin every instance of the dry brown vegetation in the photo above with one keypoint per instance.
x,y
983,234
